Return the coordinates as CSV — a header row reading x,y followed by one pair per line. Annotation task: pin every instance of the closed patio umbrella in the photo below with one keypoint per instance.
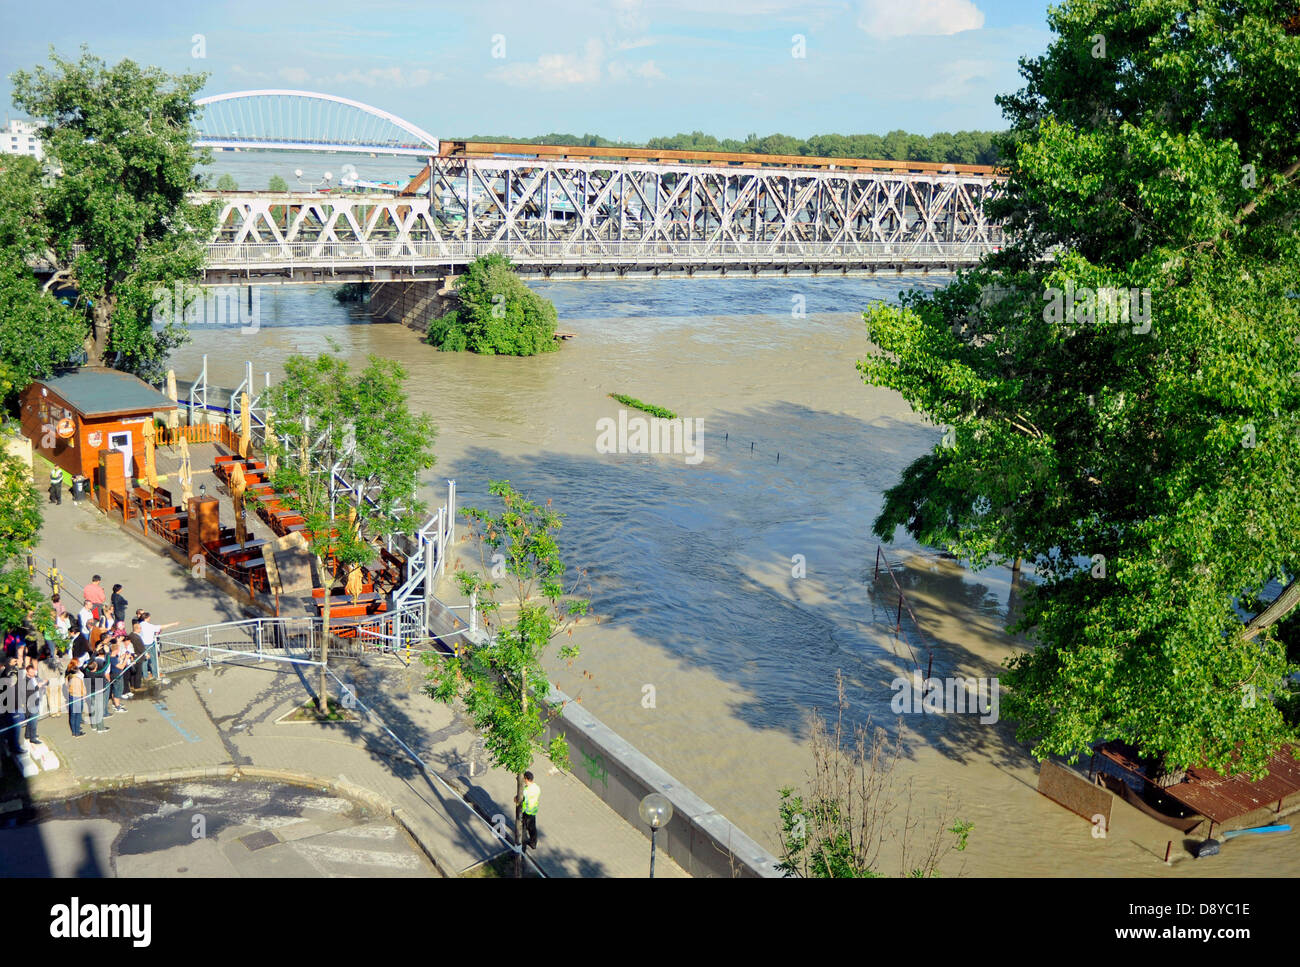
x,y
237,487
173,415
272,462
150,463
353,587
187,481
244,429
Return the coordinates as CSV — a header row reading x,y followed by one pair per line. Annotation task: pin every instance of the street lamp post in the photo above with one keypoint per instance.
x,y
325,179
656,811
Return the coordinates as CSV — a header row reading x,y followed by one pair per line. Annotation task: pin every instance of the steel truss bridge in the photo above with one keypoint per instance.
x,y
568,210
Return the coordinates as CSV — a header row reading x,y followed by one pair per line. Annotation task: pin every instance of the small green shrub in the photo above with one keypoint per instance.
x,y
650,408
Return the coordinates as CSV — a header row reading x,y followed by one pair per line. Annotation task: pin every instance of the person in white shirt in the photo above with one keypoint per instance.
x,y
86,619
148,632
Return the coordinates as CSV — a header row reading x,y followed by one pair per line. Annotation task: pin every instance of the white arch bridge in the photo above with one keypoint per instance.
x,y
570,210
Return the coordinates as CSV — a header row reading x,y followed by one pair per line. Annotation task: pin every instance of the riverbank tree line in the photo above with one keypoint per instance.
x,y
957,147
1146,467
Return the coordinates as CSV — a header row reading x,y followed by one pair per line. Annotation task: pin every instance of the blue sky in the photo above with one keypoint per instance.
x,y
621,68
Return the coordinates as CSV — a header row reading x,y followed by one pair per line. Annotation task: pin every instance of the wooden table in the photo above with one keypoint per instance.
x,y
146,497
249,545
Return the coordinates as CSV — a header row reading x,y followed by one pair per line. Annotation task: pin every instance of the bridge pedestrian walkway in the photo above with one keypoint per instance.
x,y
227,721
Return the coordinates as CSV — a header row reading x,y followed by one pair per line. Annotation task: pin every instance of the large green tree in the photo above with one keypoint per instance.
x,y
1145,461
117,216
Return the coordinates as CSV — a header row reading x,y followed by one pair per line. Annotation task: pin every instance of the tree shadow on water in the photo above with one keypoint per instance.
x,y
696,562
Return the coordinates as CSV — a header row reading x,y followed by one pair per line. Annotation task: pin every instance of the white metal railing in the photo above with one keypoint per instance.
x,y
393,630
277,640
559,252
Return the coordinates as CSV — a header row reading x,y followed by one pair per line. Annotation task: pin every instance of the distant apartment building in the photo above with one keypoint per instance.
x,y
19,137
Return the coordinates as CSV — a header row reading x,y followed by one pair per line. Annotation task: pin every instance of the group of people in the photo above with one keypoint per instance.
x,y
94,663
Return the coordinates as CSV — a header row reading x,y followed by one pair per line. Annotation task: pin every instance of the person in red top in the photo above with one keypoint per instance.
x,y
93,595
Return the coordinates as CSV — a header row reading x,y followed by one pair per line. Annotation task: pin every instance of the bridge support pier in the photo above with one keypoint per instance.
x,y
412,304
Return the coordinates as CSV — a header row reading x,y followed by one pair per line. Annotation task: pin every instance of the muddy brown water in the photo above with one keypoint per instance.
x,y
730,591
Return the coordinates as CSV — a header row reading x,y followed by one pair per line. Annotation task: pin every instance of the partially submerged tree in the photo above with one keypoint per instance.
x,y
497,314
855,806
117,216
503,683
1120,382
329,423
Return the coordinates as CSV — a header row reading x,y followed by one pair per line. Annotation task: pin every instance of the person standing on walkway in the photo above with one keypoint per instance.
x,y
116,670
33,694
94,670
76,697
149,636
532,793
119,604
93,595
56,486
85,619
50,668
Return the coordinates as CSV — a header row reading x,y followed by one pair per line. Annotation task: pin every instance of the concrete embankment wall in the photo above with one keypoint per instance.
x,y
699,838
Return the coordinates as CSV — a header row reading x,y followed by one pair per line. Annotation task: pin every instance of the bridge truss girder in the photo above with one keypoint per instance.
x,y
506,199
611,215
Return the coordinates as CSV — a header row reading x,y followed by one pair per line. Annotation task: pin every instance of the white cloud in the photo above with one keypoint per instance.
x,y
392,77
630,15
636,42
557,70
646,71
960,78
896,18
386,77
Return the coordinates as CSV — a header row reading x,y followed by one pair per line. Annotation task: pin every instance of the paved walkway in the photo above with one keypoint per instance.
x,y
226,719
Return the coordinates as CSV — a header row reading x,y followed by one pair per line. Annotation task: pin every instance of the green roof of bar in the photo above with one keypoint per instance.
x,y
103,392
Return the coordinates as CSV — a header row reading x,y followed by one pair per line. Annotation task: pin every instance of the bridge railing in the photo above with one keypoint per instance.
x,y
560,252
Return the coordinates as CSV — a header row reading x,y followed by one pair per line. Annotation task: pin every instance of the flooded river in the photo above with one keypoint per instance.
x,y
736,587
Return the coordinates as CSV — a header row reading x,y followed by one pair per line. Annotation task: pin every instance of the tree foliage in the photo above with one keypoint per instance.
x,y
277,184
39,332
324,417
854,806
20,525
498,314
117,216
1147,467
503,684
960,147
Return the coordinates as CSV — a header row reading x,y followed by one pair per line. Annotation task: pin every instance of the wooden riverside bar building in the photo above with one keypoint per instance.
x,y
70,419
